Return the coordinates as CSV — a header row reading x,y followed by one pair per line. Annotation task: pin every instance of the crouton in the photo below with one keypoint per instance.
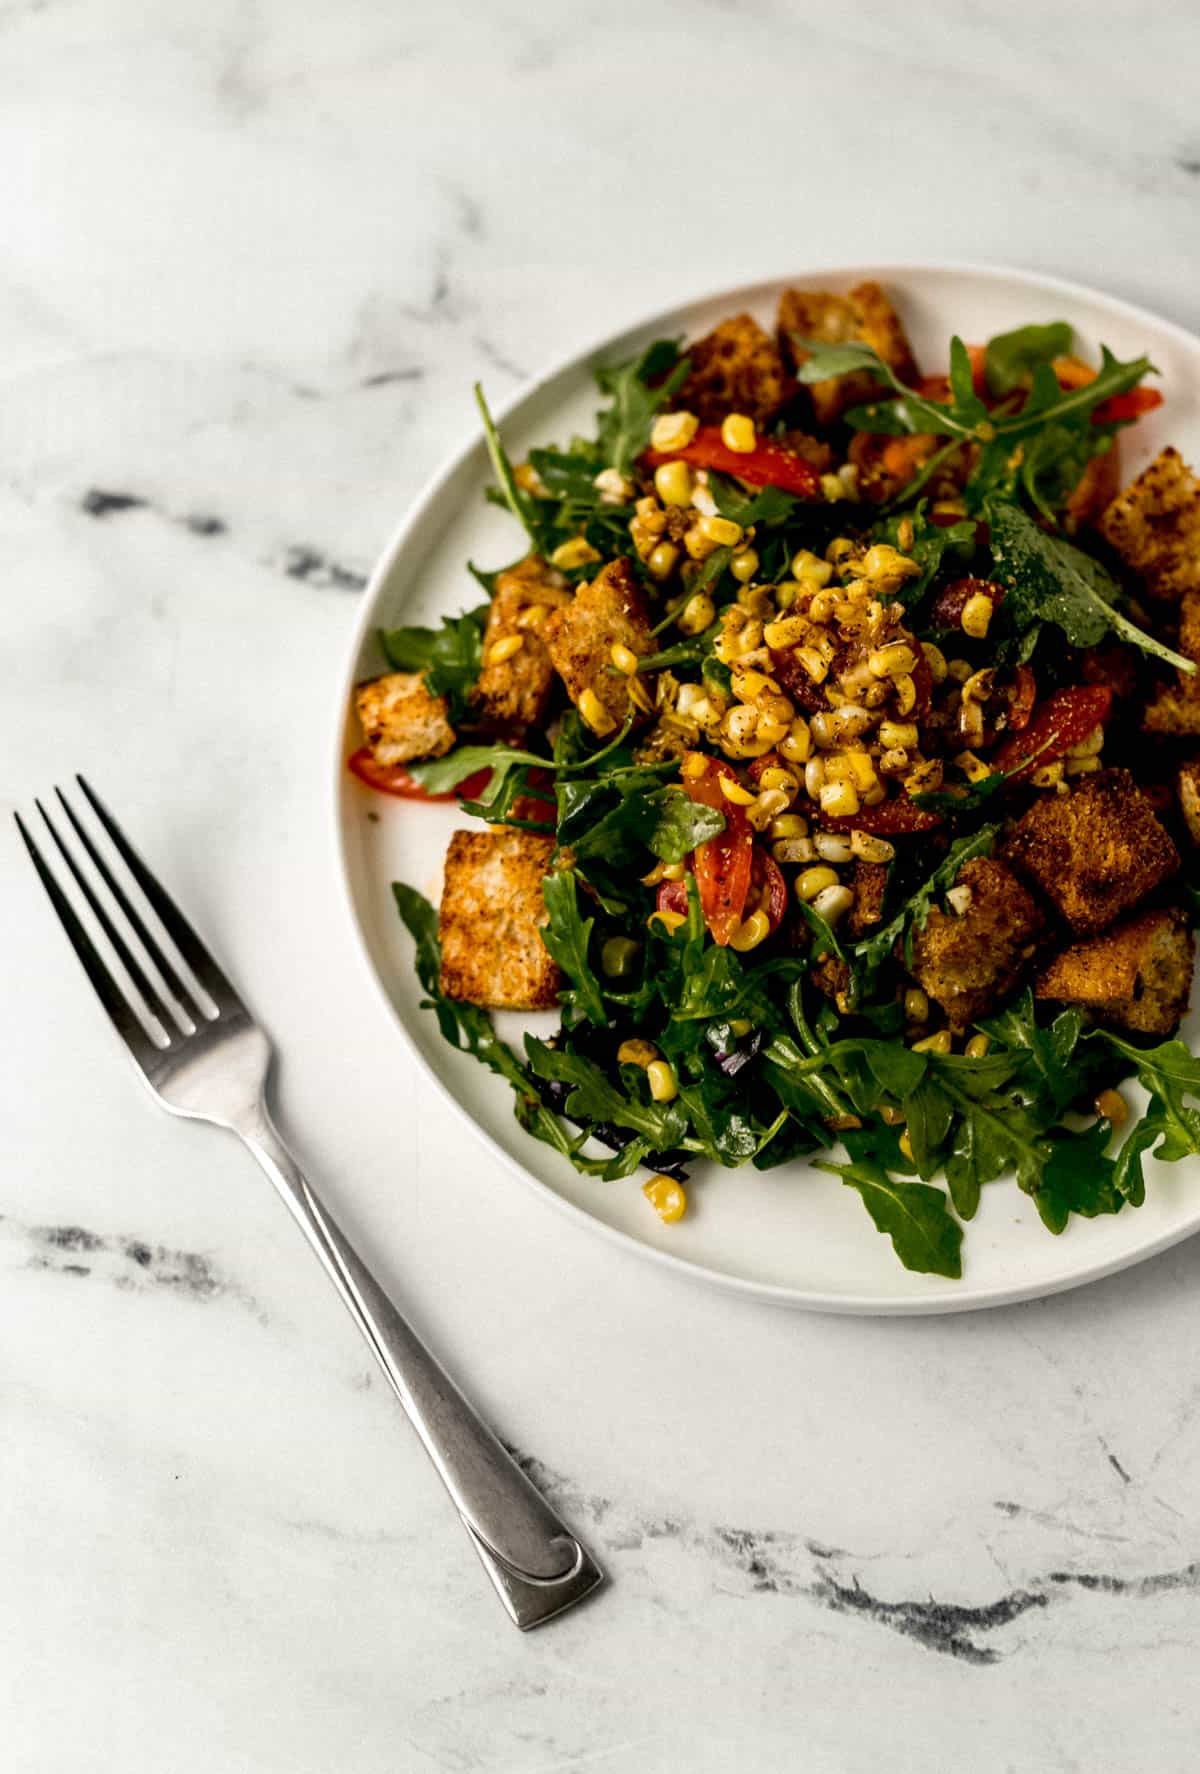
x,y
1187,793
1154,525
491,918
869,885
1094,853
401,720
1175,708
581,635
512,694
1137,976
865,313
969,961
736,368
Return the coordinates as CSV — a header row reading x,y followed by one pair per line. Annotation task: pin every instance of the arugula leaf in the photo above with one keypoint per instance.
x,y
566,939
594,1098
1011,357
449,658
524,506
1169,1129
917,1219
1078,1177
1047,1053
766,505
623,428
1050,581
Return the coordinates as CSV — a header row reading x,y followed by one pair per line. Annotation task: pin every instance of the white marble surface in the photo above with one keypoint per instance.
x,y
252,257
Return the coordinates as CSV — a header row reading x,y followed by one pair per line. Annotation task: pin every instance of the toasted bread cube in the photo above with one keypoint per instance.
x,y
1187,792
968,961
581,635
1137,976
491,919
869,885
866,314
736,368
1154,525
512,694
1175,708
401,720
1094,853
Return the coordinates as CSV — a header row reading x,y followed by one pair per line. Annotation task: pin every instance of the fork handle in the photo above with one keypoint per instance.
x,y
536,1563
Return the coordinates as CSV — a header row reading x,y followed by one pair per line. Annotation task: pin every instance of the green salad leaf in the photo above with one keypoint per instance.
x,y
449,657
917,1218
1012,357
636,392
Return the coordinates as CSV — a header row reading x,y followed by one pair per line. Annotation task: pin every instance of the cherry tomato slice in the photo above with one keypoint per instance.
x,y
1120,407
672,896
722,864
768,889
1021,696
890,819
953,599
766,465
394,779
1056,724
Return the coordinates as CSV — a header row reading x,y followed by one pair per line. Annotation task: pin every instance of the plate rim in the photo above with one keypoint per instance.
x,y
943,1299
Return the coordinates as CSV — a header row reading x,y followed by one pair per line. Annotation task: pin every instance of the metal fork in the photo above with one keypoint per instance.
x,y
209,1062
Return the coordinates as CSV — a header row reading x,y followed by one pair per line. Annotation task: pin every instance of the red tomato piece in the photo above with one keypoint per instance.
x,y
1132,405
722,864
1021,696
952,600
890,819
766,465
394,779
768,889
672,896
1056,724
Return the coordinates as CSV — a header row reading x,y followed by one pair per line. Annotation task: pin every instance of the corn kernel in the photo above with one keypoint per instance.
x,y
796,746
860,768
868,848
786,632
840,550
738,434
673,483
959,900
832,487
839,800
906,694
833,847
959,670
660,1076
594,713
891,1117
695,764
973,768
810,569
893,661
667,1197
578,552
637,1053
739,1027
1111,1105
788,825
942,1042
533,615
832,903
744,565
1048,775
736,792
640,696
721,530
768,806
750,932
624,658
814,777
504,649
814,881
794,850
1089,746
697,544
1082,766
935,659
976,616
774,777
824,605
906,1144
814,666
702,499
670,921
697,614
660,562
673,431
898,733
916,1005
613,487
978,1047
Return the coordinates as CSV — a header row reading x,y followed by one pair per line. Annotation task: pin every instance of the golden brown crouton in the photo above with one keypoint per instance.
x,y
1175,708
734,369
968,961
1094,853
869,885
491,918
1187,792
1155,526
866,314
512,693
581,635
1136,976
401,720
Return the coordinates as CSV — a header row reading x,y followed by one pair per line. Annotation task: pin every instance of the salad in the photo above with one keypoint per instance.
x,y
832,755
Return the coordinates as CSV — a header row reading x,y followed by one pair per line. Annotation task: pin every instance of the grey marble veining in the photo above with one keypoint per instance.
x,y
254,258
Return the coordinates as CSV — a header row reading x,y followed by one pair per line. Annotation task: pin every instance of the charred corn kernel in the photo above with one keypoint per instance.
x,y
976,616
640,695
740,724
794,850
979,686
751,686
916,1005
697,614
821,728
738,434
832,487
1048,776
660,562
673,483
736,792
637,1053
594,713
825,648
1082,766
744,565
824,605
891,1117
851,720
959,900
814,666
787,632
578,552
796,746
774,777
767,806
893,761
1111,1105
959,670
810,569
902,733
942,1042
814,881
906,694
978,1047
504,649
772,730
660,1076
668,1197
860,769
673,431
670,921
841,549
973,768
905,533
839,800
895,660
624,658
695,764
749,640
1089,746
721,530
618,956
833,847
750,932
906,1144
925,777
868,848
613,487
533,615
814,777
788,825
935,659
832,903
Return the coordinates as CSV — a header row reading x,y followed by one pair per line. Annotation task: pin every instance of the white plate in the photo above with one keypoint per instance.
x,y
793,1236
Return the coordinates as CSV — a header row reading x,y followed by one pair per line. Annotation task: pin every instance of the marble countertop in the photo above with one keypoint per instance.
x,y
253,258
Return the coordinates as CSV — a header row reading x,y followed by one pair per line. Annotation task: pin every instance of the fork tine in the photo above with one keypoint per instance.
x,y
173,920
126,956
109,993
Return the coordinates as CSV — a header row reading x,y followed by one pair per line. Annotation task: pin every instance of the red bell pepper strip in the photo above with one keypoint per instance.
x,y
766,465
722,864
394,779
1057,724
